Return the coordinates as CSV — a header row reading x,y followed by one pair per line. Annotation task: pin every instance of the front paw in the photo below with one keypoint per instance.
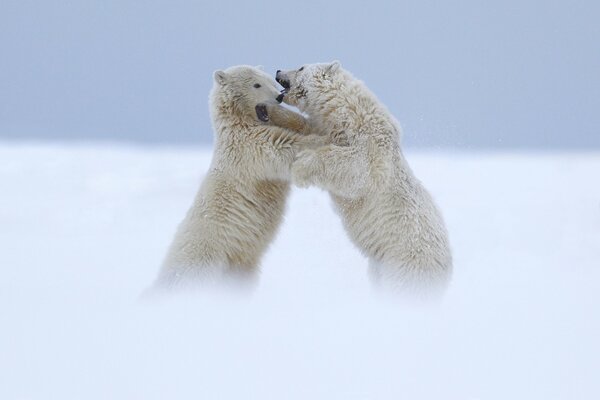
x,y
305,168
261,112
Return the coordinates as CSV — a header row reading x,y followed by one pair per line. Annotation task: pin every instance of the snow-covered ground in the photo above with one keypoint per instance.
x,y
83,230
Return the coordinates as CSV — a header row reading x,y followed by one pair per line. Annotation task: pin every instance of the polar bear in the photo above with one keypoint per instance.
x,y
386,211
240,204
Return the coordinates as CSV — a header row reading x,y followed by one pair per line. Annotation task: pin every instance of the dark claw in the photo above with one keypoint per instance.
x,y
261,112
280,97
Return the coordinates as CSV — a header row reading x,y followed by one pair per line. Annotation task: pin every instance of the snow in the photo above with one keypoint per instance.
x,y
84,228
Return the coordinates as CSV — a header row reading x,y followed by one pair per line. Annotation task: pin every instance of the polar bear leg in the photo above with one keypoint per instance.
x,y
204,276
284,118
410,282
343,170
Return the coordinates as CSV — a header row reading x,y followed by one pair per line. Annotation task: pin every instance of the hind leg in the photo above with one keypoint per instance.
x,y
410,282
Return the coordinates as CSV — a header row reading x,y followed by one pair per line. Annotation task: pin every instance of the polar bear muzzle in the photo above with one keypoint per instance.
x,y
282,79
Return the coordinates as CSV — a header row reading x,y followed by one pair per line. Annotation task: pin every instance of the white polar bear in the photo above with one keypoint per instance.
x,y
240,204
386,211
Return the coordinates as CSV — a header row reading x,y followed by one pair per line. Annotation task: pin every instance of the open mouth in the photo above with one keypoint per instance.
x,y
283,82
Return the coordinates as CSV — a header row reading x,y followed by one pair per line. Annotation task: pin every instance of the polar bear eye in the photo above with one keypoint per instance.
x,y
257,85
301,68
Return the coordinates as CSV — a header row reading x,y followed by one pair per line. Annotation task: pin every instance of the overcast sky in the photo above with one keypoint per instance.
x,y
479,74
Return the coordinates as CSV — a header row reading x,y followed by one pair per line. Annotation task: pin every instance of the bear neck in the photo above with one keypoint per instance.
x,y
354,108
348,93
233,114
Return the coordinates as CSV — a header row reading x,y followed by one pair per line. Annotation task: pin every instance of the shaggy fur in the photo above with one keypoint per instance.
x,y
241,201
386,211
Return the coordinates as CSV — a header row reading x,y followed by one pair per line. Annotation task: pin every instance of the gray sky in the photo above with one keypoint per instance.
x,y
479,74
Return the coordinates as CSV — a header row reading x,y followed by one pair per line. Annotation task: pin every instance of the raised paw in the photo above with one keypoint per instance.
x,y
261,112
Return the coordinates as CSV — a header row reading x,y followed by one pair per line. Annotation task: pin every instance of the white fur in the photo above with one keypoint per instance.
x,y
386,211
241,201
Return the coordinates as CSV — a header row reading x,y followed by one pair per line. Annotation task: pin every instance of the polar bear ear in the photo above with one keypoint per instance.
x,y
333,67
220,77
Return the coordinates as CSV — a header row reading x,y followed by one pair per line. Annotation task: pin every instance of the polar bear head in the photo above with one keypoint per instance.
x,y
308,86
236,92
